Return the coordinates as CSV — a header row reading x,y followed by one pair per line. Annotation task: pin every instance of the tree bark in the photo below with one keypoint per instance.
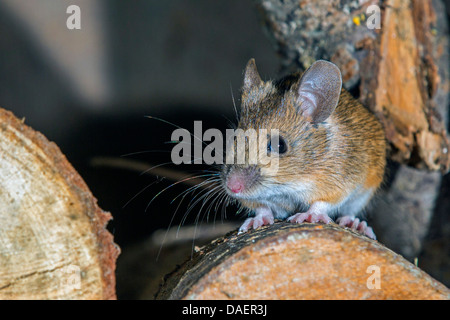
x,y
53,241
307,261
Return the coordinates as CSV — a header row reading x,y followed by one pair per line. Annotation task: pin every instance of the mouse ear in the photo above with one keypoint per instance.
x,y
251,76
319,91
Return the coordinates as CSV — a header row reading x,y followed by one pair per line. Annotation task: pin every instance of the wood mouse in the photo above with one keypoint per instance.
x,y
331,149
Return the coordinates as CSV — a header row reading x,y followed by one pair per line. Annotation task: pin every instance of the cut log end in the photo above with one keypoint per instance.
x,y
307,261
53,241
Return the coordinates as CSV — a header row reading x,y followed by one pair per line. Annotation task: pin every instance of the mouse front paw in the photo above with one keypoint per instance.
x,y
357,225
309,217
263,217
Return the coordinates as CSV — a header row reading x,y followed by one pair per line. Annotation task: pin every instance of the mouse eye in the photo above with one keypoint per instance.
x,y
279,146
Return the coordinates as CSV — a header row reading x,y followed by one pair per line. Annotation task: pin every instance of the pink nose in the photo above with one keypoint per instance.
x,y
235,184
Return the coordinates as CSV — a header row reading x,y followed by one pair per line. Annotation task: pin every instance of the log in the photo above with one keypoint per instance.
x,y
307,261
402,219
53,241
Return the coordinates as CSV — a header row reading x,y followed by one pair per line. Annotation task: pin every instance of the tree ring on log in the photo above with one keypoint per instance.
x,y
53,240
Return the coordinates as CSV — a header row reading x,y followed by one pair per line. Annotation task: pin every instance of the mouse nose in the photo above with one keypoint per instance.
x,y
235,184
240,180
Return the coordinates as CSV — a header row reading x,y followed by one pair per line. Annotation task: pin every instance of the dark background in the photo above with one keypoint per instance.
x,y
89,90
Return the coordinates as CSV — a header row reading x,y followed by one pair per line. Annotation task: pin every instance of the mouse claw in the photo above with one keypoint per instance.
x,y
262,218
357,225
309,217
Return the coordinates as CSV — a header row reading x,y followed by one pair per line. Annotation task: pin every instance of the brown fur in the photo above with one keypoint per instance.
x,y
345,152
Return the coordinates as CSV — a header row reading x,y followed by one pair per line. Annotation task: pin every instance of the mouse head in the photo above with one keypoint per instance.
x,y
298,109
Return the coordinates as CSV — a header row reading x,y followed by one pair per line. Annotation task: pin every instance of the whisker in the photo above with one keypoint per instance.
x,y
192,205
196,225
174,184
212,194
206,213
142,168
137,194
217,199
177,126
154,167
234,104
193,188
223,201
142,152
162,164
168,228
174,214
221,198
